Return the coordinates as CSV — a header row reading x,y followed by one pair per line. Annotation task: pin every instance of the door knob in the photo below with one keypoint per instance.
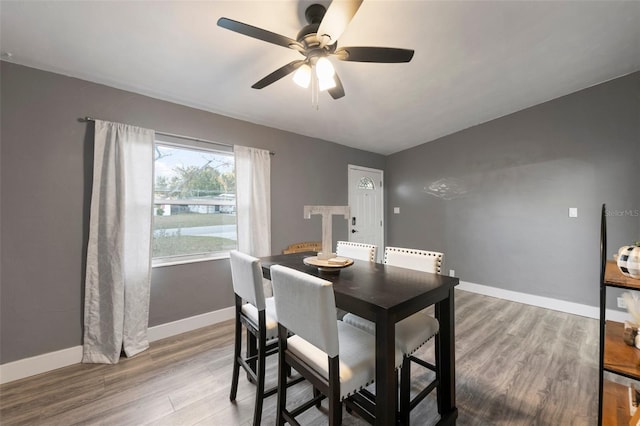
x,y
353,231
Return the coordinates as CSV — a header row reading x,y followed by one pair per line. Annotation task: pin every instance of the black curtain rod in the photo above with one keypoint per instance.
x,y
191,138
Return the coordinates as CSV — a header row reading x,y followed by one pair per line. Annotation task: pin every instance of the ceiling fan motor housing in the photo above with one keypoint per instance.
x,y
308,35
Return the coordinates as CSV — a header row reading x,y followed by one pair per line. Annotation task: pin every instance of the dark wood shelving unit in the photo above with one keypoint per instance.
x,y
619,357
615,356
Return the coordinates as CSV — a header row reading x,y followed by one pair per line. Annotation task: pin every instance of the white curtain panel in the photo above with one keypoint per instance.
x,y
253,196
116,310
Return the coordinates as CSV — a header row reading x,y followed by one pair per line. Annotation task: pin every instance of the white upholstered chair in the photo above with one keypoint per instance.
x,y
258,316
419,260
338,359
358,251
415,330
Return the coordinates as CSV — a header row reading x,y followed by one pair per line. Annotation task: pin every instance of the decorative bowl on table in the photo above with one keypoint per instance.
x,y
333,265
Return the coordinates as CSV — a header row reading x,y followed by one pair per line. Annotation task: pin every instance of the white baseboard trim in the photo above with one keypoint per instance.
x,y
543,302
53,360
39,364
189,324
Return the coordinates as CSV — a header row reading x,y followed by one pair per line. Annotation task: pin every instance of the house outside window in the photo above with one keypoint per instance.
x,y
194,213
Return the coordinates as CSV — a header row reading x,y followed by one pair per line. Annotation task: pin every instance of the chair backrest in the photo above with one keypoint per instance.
x,y
357,250
306,246
246,273
420,260
306,306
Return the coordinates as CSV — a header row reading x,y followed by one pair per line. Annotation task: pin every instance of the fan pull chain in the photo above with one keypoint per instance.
x,y
315,91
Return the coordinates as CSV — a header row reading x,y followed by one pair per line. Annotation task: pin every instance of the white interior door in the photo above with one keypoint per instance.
x,y
366,195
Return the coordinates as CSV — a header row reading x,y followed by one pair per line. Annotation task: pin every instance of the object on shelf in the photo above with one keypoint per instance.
x,y
633,305
634,397
629,260
630,333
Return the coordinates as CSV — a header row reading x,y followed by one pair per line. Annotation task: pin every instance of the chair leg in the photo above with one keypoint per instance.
x,y
257,415
316,393
335,404
252,350
438,372
335,412
405,391
282,377
236,355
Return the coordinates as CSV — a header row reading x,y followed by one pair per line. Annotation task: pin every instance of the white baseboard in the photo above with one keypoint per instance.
x,y
53,360
39,364
543,302
188,324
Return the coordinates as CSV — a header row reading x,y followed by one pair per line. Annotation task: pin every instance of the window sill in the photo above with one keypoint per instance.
x,y
160,263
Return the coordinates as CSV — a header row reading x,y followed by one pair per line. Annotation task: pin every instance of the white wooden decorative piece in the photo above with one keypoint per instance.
x,y
326,212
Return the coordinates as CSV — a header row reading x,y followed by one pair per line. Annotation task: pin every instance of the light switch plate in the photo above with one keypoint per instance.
x,y
573,212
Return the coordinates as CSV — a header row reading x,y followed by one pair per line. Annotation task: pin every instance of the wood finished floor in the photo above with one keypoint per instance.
x,y
515,365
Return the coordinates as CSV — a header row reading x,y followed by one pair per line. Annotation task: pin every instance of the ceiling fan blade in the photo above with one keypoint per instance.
x,y
278,74
259,33
338,91
336,19
374,54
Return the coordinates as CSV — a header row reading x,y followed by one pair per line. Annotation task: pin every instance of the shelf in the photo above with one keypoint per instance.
x,y
615,405
616,356
614,278
619,357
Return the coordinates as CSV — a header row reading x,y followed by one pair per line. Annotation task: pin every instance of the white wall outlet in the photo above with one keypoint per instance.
x,y
621,303
452,273
573,212
396,210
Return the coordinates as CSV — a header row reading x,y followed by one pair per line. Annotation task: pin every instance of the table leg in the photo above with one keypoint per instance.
x,y
386,392
446,362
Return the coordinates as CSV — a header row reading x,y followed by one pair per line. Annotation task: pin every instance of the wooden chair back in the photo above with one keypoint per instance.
x,y
305,246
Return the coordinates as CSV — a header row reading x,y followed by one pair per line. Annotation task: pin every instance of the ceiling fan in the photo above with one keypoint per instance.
x,y
317,41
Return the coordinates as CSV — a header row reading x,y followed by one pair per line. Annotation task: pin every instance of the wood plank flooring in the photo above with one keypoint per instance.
x,y
515,365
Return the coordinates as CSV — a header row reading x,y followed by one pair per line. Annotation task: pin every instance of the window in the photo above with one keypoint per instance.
x,y
366,183
194,214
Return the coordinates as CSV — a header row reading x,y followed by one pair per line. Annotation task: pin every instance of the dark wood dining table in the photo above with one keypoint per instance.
x,y
385,295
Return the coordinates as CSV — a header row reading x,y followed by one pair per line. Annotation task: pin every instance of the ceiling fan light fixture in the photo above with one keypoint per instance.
x,y
324,69
326,84
302,77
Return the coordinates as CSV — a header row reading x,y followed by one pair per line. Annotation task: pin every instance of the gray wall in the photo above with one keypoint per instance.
x,y
521,173
46,158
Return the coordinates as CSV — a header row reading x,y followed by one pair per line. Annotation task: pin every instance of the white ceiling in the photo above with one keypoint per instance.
x,y
474,60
